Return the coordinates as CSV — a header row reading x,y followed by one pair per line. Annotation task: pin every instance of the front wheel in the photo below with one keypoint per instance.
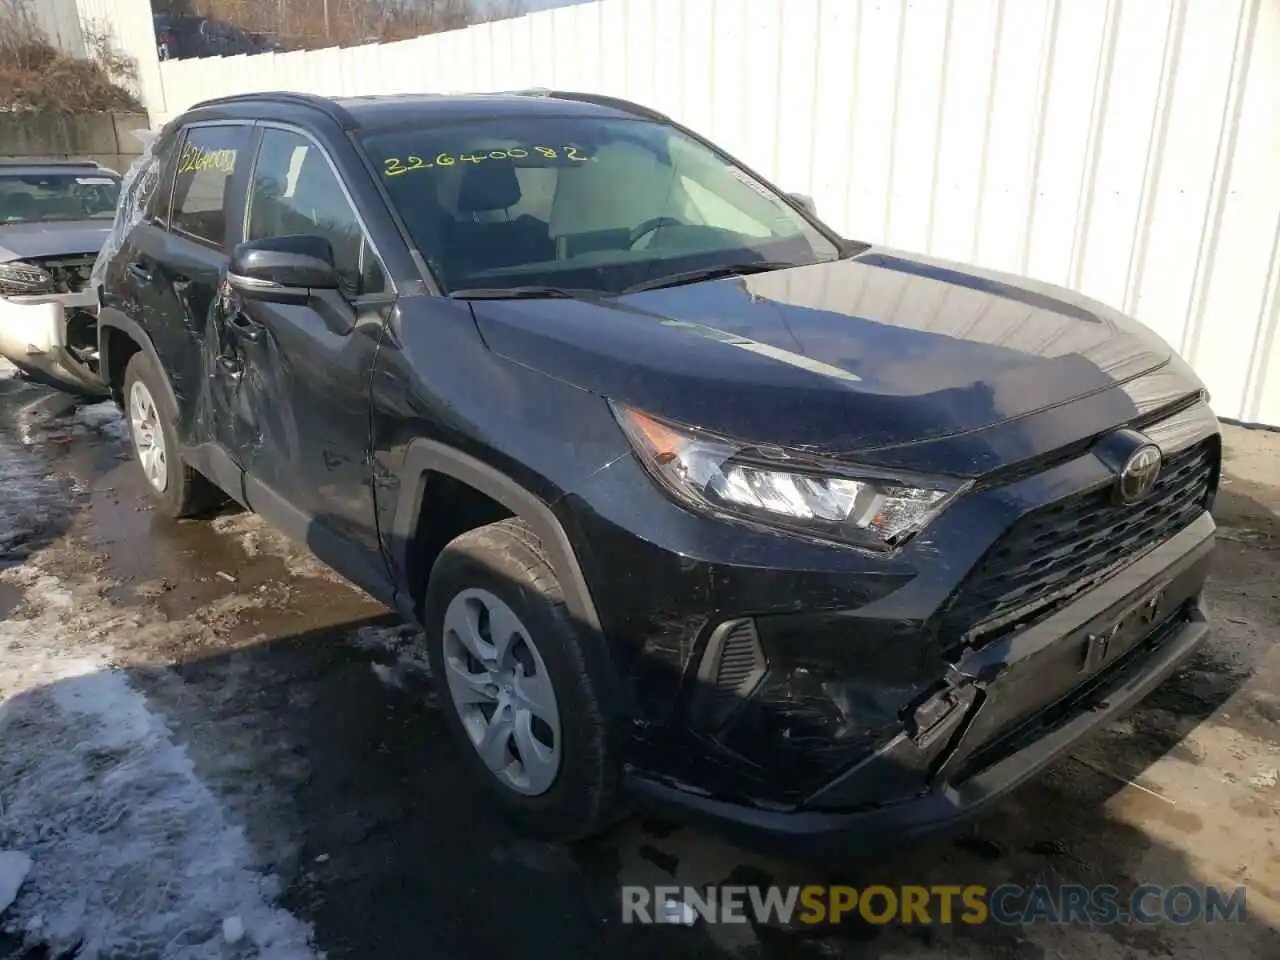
x,y
520,688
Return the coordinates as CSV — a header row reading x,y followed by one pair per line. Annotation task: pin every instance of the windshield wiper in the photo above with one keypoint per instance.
x,y
524,293
709,273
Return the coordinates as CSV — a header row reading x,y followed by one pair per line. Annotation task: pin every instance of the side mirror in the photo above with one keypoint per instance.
x,y
806,201
283,269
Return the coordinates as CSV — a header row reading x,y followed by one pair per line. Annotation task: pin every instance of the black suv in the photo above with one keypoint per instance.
x,y
700,504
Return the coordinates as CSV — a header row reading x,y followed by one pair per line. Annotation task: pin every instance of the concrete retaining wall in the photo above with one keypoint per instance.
x,y
105,137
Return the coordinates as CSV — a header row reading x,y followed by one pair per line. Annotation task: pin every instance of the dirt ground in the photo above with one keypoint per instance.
x,y
199,724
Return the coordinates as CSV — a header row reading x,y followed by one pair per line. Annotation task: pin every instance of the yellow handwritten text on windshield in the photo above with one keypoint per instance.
x,y
399,166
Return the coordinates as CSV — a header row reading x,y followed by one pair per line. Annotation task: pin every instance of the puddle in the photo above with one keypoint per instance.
x,y
10,597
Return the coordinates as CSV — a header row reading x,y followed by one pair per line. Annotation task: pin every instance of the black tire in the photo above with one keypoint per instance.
x,y
187,493
508,560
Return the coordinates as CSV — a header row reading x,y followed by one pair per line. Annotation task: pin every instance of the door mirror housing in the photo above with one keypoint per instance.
x,y
806,201
283,269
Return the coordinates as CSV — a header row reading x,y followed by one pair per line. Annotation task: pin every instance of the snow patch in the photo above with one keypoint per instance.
x,y
105,417
133,855
233,929
1265,778
14,867
405,648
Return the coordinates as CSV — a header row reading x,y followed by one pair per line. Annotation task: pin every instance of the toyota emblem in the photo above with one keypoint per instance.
x,y
1139,474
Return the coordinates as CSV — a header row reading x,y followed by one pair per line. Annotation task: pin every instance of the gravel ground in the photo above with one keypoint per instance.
x,y
210,746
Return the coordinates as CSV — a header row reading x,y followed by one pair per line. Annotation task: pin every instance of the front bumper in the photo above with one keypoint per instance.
x,y
33,337
1008,710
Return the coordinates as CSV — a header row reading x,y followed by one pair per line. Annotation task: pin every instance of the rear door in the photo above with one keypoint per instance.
x,y
175,265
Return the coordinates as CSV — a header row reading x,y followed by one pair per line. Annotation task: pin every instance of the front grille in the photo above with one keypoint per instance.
x,y
1061,549
70,274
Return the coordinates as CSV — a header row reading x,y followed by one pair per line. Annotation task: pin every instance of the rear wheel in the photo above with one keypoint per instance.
x,y
520,686
178,490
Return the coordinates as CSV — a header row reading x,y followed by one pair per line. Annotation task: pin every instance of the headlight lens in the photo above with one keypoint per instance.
x,y
723,476
19,279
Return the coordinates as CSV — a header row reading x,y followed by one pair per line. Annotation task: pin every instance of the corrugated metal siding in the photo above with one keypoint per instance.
x,y
60,21
1129,149
128,22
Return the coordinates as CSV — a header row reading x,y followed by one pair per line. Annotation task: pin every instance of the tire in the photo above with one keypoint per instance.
x,y
506,561
176,489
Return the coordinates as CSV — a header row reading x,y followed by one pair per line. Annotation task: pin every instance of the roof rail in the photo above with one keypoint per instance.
x,y
323,104
600,100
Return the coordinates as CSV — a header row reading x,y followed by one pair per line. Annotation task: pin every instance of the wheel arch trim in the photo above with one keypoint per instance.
x,y
426,457
109,318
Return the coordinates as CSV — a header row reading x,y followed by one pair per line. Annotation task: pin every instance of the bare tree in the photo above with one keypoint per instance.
x,y
308,24
34,74
504,9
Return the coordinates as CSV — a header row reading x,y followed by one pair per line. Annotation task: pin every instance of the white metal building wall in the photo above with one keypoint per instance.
x,y
60,20
1129,149
128,23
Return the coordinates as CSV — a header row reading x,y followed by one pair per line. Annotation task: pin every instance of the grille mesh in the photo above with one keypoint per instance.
x,y
1060,549
739,658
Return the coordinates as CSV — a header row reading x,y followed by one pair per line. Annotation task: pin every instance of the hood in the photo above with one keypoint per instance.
x,y
853,355
18,241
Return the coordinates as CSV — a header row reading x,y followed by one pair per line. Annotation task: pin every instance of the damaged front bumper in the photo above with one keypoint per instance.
x,y
1004,712
34,338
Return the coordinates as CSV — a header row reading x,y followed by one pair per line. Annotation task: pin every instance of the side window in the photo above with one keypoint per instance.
x,y
207,162
295,193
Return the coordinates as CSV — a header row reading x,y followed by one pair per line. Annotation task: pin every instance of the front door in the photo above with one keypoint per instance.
x,y
304,369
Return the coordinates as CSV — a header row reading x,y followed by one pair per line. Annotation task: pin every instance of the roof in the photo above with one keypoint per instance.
x,y
373,112
399,110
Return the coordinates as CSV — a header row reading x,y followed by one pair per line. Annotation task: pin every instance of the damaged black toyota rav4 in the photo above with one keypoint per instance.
x,y
817,544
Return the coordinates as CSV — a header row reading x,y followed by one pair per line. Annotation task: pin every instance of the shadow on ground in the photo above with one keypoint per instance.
x,y
354,795
351,793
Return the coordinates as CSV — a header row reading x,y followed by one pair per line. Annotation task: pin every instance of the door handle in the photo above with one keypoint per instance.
x,y
246,329
139,272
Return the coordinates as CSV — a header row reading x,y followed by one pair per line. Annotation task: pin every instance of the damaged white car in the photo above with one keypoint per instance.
x,y
54,218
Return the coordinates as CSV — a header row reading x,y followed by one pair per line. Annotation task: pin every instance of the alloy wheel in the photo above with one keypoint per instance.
x,y
148,437
502,691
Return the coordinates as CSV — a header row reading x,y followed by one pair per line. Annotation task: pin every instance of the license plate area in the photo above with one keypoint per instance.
x,y
1015,690
1108,644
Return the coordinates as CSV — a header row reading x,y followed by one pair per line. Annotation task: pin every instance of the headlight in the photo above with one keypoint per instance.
x,y
18,279
767,485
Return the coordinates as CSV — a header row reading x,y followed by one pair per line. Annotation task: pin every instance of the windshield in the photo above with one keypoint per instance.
x,y
45,197
581,203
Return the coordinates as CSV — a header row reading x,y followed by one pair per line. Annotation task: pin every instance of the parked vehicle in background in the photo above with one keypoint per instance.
x,y
177,37
817,543
182,37
268,43
54,218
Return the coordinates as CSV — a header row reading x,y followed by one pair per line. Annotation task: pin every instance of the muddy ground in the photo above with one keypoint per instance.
x,y
201,724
